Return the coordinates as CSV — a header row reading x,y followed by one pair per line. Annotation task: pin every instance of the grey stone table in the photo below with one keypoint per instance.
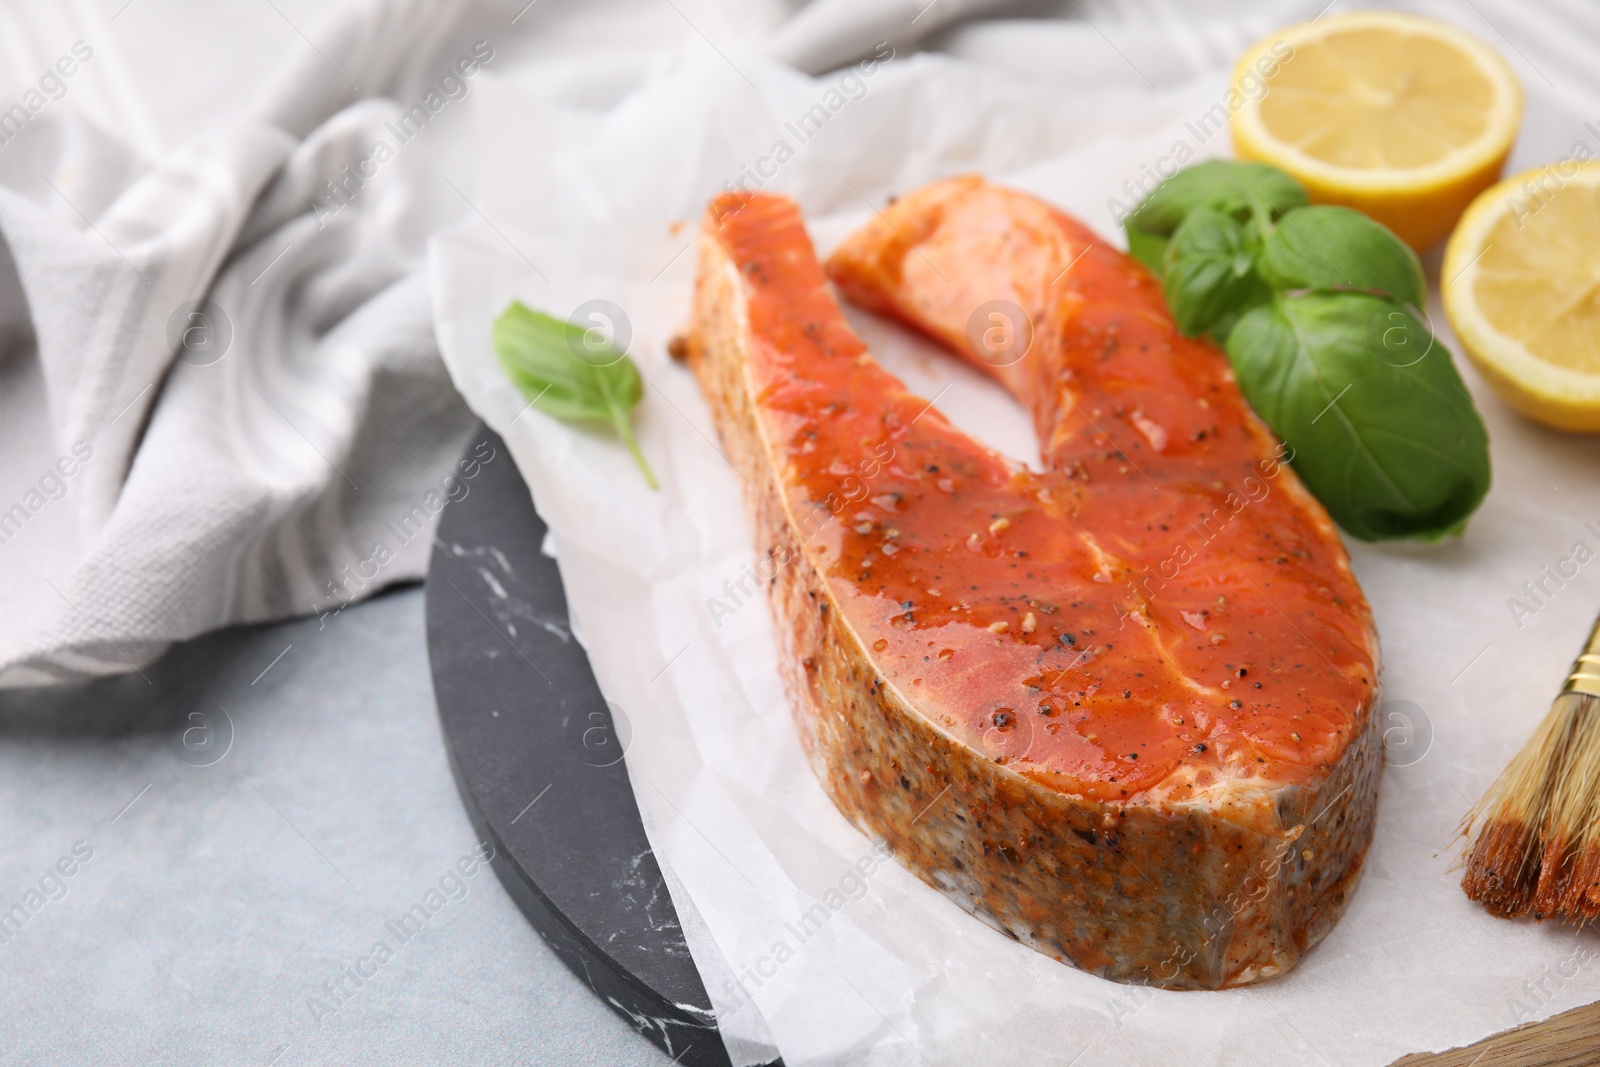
x,y
227,886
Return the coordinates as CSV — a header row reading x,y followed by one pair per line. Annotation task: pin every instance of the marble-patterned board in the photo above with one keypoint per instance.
x,y
538,757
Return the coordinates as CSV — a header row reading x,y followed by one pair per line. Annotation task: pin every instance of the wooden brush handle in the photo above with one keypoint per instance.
x,y
1585,676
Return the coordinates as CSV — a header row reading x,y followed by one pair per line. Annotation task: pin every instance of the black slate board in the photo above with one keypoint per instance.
x,y
538,760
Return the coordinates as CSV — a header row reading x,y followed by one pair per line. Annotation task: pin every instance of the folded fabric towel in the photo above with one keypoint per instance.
x,y
248,415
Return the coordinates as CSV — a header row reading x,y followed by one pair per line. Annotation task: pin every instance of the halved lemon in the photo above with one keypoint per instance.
x,y
1403,118
1521,284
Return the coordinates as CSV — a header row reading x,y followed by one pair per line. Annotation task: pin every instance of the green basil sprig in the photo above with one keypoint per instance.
x,y
1317,307
541,356
1246,192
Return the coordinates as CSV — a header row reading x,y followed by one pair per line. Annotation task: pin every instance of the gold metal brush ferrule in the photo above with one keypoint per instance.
x,y
1585,676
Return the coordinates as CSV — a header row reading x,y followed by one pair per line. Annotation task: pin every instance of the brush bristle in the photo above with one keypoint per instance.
x,y
1536,832
1497,870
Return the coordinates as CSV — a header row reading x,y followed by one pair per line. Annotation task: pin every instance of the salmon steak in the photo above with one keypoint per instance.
x,y
1120,709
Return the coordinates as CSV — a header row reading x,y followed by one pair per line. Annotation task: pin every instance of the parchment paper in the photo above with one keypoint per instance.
x,y
581,205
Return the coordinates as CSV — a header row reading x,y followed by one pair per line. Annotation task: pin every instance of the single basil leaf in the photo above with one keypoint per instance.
x,y
1382,429
1242,190
1209,272
541,356
1327,247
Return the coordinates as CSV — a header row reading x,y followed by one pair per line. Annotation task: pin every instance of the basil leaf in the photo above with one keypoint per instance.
x,y
1242,190
1326,247
1383,431
1209,272
541,356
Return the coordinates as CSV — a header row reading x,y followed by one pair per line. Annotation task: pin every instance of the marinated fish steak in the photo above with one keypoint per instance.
x,y
1120,709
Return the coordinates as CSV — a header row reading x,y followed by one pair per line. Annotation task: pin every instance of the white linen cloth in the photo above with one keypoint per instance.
x,y
292,457
599,202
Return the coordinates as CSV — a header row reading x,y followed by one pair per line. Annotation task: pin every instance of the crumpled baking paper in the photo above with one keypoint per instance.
x,y
576,206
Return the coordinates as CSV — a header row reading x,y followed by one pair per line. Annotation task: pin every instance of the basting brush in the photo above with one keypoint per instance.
x,y
1535,835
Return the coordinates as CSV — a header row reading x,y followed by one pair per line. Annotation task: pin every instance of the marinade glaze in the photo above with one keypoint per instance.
x,y
1119,709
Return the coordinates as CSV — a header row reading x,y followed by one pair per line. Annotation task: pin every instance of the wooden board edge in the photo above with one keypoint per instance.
x,y
1571,1039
